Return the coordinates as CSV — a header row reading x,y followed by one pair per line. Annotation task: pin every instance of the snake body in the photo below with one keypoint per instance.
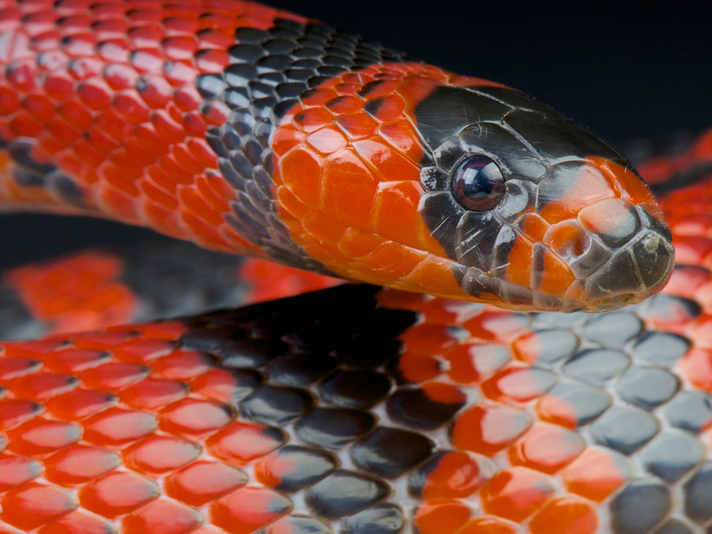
x,y
256,131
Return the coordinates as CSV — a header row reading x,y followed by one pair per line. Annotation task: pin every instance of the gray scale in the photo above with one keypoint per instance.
x,y
269,72
303,374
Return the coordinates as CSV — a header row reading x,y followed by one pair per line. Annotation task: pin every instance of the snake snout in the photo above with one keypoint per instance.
x,y
639,265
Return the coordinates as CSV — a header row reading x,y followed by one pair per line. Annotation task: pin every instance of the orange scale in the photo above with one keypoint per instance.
x,y
163,517
118,493
348,189
202,482
327,140
696,366
357,244
557,411
516,493
88,154
448,311
77,521
416,368
10,100
16,470
140,350
166,330
286,138
22,75
390,262
565,515
249,509
395,213
185,159
23,125
205,235
380,88
242,443
100,141
114,376
306,166
95,94
194,417
429,338
435,274
28,349
390,107
167,126
119,180
40,106
325,231
209,61
14,412
156,455
178,73
597,473
79,464
498,325
553,277
197,205
42,385
204,155
80,404
32,505
700,332
546,448
76,114
117,427
15,367
103,340
488,525
151,142
518,384
472,362
344,104
131,107
489,428
156,92
151,393
457,476
389,163
441,516
357,126
159,196
182,365
347,88
42,436
221,37
179,47
311,119
212,192
75,360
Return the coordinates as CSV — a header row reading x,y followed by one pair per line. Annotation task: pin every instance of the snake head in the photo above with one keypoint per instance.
x,y
466,189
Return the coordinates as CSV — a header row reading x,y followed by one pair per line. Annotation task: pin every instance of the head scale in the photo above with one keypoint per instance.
x,y
425,176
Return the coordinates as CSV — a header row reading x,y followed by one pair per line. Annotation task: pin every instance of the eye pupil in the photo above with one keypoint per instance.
x,y
478,184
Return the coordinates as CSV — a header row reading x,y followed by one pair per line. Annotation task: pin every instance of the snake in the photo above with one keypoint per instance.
x,y
446,393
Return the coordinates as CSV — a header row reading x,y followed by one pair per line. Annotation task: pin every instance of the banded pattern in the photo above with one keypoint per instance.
x,y
250,130
155,279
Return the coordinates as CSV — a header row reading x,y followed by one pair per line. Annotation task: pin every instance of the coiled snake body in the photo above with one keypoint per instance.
x,y
356,409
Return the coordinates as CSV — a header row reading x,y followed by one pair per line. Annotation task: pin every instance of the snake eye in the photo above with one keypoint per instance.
x,y
478,184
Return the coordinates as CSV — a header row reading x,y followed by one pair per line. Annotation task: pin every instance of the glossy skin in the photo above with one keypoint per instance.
x,y
399,413
349,173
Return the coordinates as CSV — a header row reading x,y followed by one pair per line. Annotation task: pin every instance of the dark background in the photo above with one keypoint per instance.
x,y
625,73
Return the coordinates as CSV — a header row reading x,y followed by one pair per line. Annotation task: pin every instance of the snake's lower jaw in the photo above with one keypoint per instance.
x,y
636,270
613,255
